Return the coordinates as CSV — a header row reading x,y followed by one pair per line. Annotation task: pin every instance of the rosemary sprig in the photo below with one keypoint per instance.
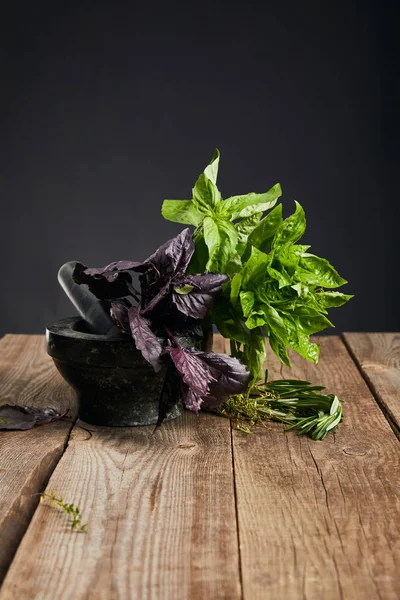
x,y
295,402
69,509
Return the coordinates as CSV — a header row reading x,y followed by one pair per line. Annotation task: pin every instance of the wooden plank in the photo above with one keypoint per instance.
x,y
321,519
161,517
378,357
27,458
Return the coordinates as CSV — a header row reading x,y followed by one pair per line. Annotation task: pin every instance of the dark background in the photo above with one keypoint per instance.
x,y
108,108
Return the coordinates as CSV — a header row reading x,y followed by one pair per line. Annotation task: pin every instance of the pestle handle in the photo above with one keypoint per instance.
x,y
95,312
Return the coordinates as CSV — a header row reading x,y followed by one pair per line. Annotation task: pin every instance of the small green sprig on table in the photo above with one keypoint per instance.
x,y
71,510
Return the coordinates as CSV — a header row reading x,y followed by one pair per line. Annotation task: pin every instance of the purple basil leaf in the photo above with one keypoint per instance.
x,y
25,417
119,314
174,256
230,375
171,393
121,265
193,401
104,287
162,293
202,297
146,341
44,415
194,372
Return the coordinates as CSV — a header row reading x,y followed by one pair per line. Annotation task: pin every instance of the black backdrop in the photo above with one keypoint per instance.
x,y
107,108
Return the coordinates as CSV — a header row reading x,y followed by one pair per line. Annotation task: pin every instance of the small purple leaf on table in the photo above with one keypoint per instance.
x,y
26,417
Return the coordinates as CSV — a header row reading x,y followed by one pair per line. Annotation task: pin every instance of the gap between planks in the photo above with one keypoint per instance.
x,y
377,356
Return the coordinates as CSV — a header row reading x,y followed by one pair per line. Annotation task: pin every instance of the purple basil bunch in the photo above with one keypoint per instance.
x,y
171,304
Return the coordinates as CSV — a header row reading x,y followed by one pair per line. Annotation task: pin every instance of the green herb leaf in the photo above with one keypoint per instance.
x,y
275,322
332,299
205,195
279,348
211,172
221,240
236,284
310,320
289,255
281,277
244,229
318,271
256,319
181,211
237,207
262,235
247,302
292,228
254,354
255,270
185,289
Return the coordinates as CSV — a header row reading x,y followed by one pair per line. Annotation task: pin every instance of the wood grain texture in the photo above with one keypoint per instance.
x,y
321,519
378,357
27,458
161,518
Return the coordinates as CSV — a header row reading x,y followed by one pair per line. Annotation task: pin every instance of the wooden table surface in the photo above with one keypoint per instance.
x,y
201,510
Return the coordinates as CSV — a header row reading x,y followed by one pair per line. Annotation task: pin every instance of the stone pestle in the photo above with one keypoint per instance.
x,y
96,313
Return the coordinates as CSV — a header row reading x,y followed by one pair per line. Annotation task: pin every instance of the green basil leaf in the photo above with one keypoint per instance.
x,y
221,240
255,270
200,256
289,255
301,289
185,289
332,299
256,319
205,195
279,348
228,324
318,271
247,302
281,277
306,349
231,330
205,192
234,265
244,228
261,237
275,322
299,341
310,320
181,211
292,228
212,170
237,207
254,353
236,284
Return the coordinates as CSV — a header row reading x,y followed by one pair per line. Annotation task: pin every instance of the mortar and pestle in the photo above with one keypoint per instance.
x,y
115,386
